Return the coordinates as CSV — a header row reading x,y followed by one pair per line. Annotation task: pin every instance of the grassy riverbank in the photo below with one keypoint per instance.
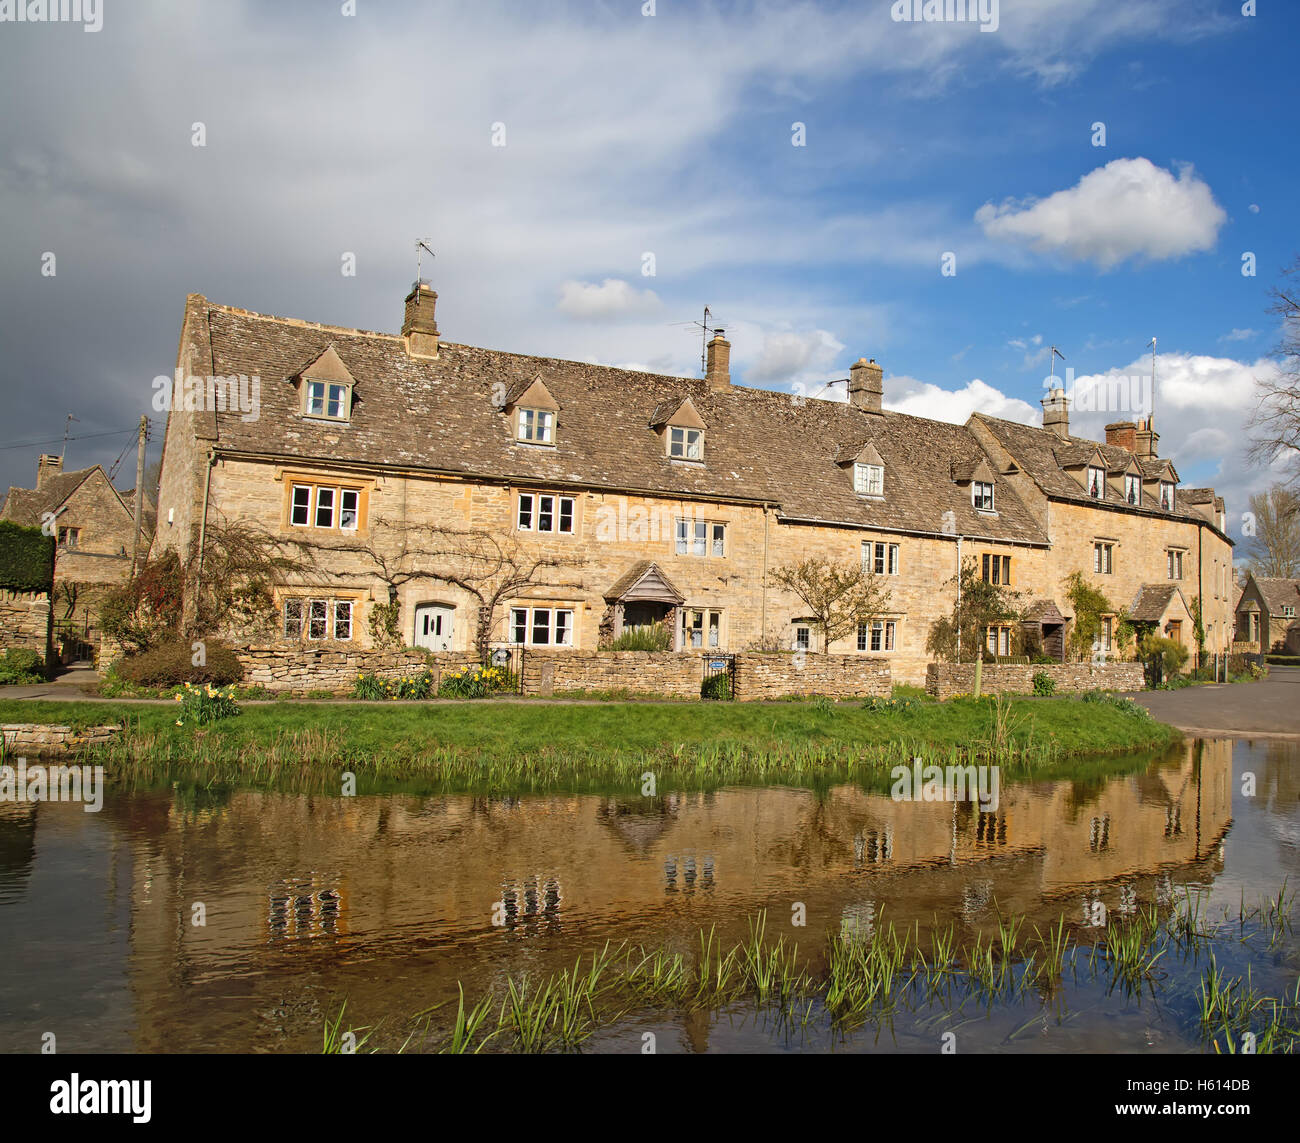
x,y
539,746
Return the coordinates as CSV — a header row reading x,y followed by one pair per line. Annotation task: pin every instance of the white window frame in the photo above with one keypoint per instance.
x,y
869,479
685,443
529,515
977,499
535,426
331,616
319,396
997,640
1103,557
1097,481
1132,488
879,636
709,627
1175,563
1168,489
802,637
342,610
556,622
692,537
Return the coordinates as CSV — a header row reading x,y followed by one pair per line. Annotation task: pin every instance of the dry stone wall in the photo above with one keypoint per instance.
x,y
943,680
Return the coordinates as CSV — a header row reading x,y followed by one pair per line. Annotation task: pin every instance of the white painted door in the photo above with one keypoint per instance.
x,y
434,624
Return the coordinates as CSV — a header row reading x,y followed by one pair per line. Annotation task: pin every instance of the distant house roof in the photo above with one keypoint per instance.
x,y
28,506
1279,593
437,415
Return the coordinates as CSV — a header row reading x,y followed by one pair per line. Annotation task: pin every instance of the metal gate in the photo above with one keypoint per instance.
x,y
719,677
509,657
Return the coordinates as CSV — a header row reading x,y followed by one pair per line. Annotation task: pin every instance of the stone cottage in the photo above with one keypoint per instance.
x,y
419,472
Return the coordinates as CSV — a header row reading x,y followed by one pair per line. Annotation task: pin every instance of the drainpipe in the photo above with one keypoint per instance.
x,y
203,520
959,539
1200,593
763,608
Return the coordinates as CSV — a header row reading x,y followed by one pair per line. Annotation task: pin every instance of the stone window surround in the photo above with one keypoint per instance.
x,y
361,486
556,512
331,599
344,417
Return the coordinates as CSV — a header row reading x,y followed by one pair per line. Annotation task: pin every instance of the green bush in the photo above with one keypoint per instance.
x,y
172,663
888,705
655,637
201,705
410,688
1044,684
716,687
26,558
21,666
1164,658
1119,702
476,682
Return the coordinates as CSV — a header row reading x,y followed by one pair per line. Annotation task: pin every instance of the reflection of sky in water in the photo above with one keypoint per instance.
x,y
390,900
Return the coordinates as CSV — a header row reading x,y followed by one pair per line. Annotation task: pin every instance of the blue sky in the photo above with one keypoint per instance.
x,y
670,134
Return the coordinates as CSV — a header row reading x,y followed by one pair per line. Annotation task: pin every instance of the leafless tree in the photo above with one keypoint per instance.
x,y
1275,424
489,568
838,596
1274,548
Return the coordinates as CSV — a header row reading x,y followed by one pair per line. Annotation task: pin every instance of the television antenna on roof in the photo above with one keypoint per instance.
x,y
421,248
67,424
706,329
1054,355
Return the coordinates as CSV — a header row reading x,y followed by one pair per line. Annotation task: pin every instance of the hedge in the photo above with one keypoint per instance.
x,y
26,558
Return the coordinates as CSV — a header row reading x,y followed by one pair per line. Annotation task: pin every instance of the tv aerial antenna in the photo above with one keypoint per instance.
x,y
705,330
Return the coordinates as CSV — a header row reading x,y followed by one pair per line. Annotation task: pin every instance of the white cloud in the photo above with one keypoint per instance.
x,y
611,299
1130,208
786,356
922,399
1240,335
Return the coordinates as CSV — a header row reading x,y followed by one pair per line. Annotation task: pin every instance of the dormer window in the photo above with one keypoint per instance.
x,y
981,495
869,479
537,426
1133,488
1096,483
1167,495
328,399
685,444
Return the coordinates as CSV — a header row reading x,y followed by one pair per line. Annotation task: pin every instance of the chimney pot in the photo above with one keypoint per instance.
x,y
1123,434
1056,413
47,466
420,327
717,369
866,385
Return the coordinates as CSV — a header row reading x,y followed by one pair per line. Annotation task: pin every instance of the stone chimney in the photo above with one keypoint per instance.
x,y
1122,434
48,465
1056,413
1147,440
420,329
866,385
717,372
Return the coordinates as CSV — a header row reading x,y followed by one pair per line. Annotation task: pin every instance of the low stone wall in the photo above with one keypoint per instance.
x,y
943,680
29,739
770,675
296,670
662,674
673,675
27,620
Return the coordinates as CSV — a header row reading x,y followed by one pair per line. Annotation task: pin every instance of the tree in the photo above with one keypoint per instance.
x,y
1091,607
838,597
1274,548
485,566
1275,424
978,606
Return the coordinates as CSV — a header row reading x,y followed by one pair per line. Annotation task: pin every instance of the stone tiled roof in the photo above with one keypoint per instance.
x,y
1151,601
27,505
1037,451
1043,611
1280,593
760,446
641,570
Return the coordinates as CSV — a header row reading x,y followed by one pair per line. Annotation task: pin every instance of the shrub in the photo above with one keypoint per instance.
x,y
653,637
1164,657
888,705
26,558
21,666
476,682
1044,684
172,663
1119,702
717,687
204,704
145,612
